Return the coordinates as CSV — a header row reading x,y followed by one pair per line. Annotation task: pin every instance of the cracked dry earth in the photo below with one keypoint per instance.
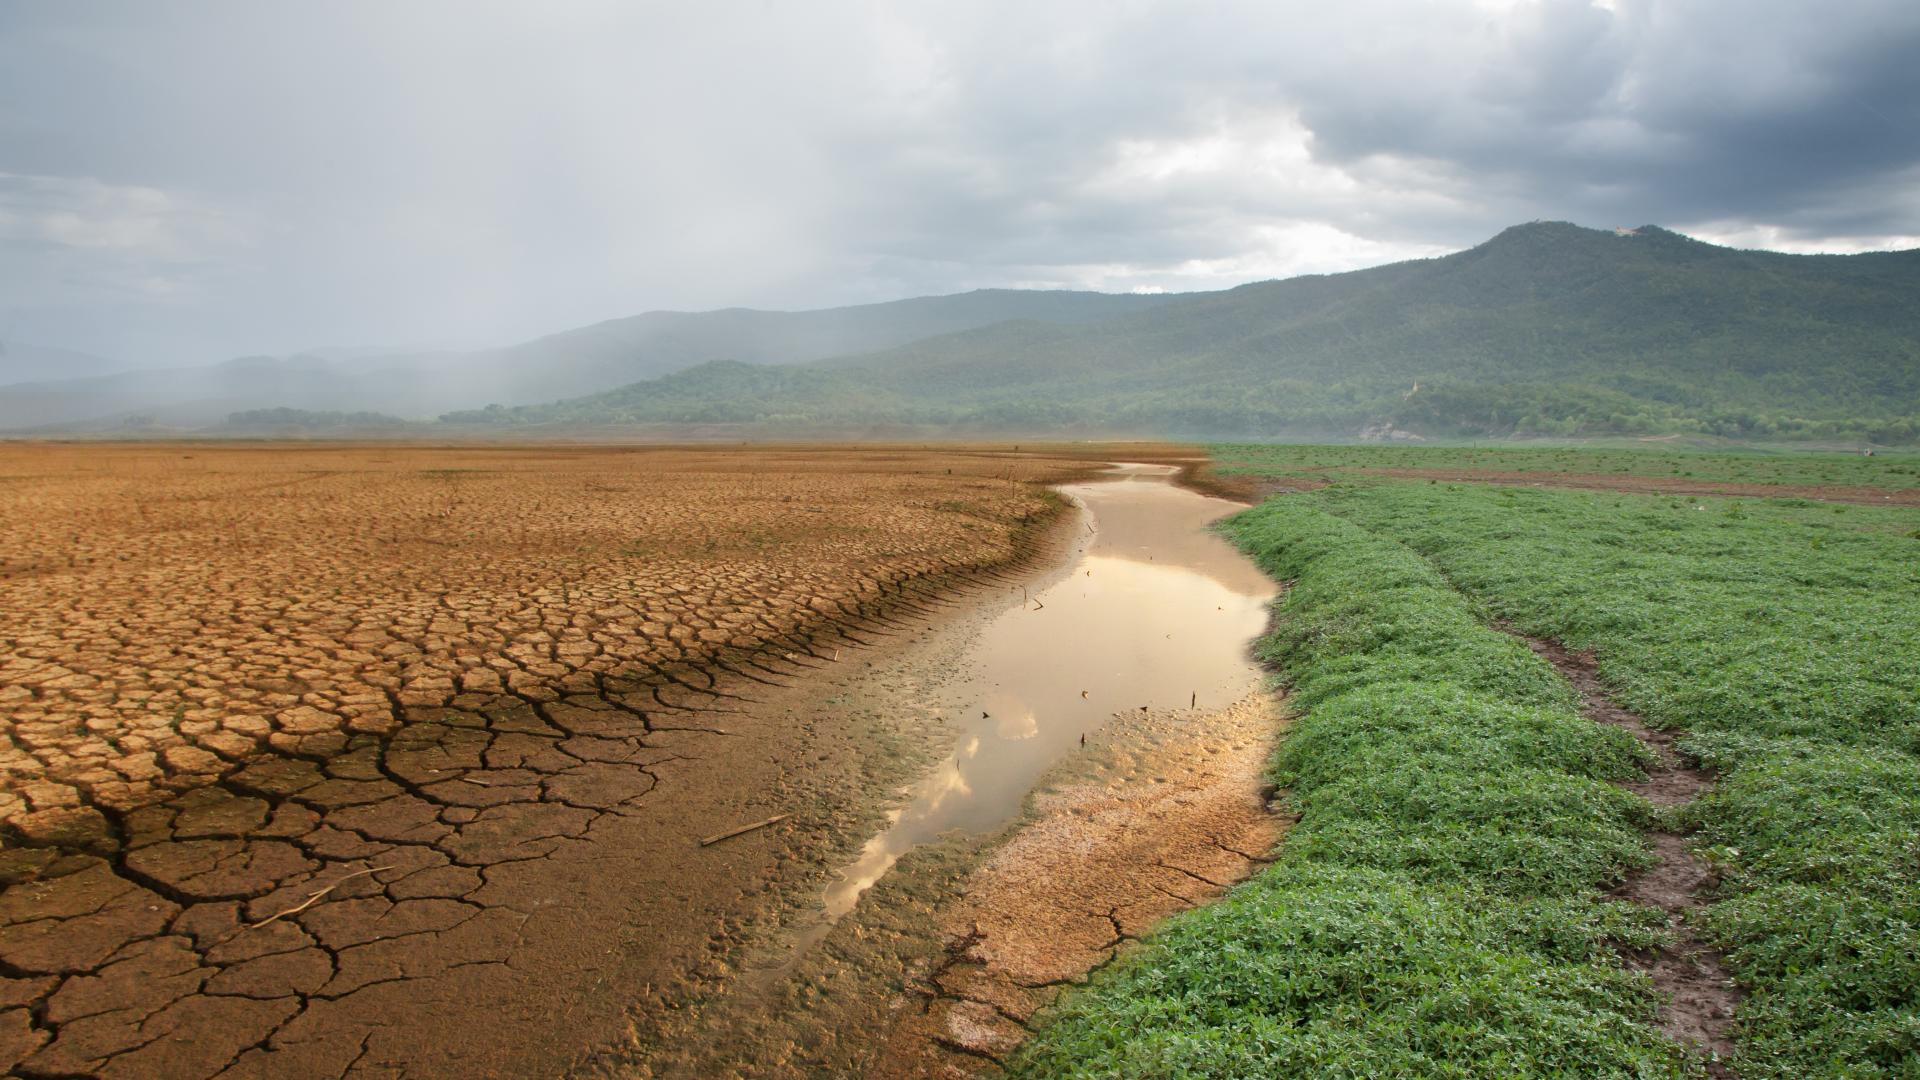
x,y
393,761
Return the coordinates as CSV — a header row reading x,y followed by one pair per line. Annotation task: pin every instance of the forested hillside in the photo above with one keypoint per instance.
x,y
1547,329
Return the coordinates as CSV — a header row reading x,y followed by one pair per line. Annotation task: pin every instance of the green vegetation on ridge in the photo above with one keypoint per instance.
x,y
1784,637
1436,910
581,361
1773,468
281,421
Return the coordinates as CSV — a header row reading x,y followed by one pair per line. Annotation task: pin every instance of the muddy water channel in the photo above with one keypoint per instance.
x,y
1154,611
1107,731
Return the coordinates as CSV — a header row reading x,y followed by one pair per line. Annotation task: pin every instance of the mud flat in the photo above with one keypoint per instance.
x,y
1108,731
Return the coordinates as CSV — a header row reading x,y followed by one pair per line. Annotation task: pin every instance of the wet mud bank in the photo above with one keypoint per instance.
x,y
1108,732
1152,612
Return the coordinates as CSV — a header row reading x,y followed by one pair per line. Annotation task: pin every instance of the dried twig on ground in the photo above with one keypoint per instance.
x,y
314,897
731,833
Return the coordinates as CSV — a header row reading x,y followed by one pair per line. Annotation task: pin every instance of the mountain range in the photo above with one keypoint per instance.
x,y
421,385
1546,329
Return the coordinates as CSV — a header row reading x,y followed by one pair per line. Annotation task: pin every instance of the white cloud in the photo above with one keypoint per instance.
x,y
82,212
362,171
1781,238
66,240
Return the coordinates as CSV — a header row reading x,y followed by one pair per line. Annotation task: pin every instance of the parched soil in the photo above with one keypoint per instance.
x,y
394,760
1701,992
1253,488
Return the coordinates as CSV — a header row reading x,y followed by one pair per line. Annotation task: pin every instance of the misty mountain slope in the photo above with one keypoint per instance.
x,y
21,362
719,391
1546,328
646,346
190,397
567,364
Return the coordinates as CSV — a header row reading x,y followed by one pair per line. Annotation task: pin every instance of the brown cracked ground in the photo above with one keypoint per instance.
x,y
1701,994
393,761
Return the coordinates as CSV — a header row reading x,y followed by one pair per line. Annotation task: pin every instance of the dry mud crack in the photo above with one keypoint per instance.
x,y
1702,995
389,761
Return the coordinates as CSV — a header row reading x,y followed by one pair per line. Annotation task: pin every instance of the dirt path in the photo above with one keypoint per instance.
x,y
1702,993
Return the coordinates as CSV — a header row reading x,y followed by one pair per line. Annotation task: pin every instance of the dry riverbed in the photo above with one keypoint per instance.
x,y
383,761
1058,830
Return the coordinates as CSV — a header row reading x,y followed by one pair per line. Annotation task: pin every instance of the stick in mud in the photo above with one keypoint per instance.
x,y
314,897
730,834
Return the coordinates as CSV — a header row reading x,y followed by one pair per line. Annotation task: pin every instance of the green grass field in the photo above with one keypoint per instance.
x,y
1891,470
1437,910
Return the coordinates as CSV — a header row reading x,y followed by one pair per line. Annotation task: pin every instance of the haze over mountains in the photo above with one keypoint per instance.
x,y
574,362
1547,328
22,362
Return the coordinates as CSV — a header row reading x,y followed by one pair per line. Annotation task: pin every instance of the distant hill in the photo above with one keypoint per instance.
x,y
306,422
182,398
21,362
574,362
1547,329
718,392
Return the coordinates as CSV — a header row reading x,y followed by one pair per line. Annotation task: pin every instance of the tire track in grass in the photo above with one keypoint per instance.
x,y
1438,908
1702,993
1778,641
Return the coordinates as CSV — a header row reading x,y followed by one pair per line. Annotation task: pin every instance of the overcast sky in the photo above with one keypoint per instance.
x,y
184,182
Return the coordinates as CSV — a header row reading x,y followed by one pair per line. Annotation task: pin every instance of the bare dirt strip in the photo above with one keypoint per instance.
x,y
394,761
1702,996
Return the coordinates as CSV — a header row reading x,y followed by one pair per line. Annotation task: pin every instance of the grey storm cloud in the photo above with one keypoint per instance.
x,y
184,182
